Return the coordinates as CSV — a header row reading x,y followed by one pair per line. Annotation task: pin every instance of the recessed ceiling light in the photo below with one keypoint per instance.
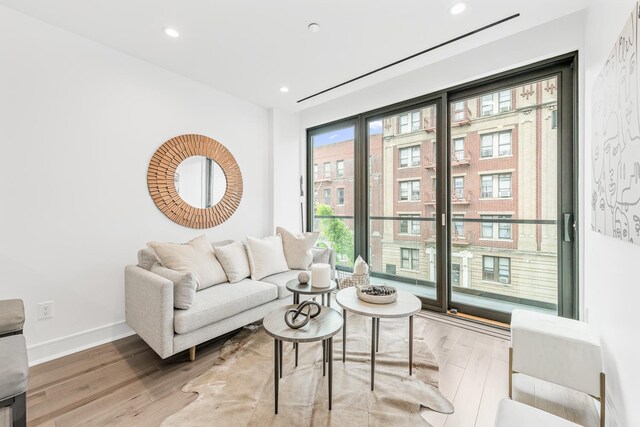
x,y
458,8
284,89
313,27
171,32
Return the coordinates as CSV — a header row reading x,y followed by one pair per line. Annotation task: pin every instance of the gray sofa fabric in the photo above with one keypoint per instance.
x,y
11,316
222,301
14,366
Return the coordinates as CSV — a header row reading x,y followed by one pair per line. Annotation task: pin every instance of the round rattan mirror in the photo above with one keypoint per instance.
x,y
209,178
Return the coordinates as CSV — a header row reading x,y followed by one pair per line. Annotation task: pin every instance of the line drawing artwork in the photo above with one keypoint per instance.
x,y
615,152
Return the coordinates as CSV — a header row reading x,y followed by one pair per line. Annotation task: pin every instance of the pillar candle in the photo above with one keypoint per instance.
x,y
320,275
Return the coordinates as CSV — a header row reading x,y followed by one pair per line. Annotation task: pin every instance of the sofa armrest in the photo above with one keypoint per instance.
x,y
149,308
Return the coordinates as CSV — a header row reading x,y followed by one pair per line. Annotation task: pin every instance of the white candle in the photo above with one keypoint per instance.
x,y
320,275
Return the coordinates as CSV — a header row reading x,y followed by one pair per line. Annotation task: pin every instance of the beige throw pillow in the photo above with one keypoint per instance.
x,y
233,258
184,285
266,256
195,256
297,248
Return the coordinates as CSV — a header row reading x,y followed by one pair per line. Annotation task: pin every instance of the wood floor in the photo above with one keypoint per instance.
x,y
126,383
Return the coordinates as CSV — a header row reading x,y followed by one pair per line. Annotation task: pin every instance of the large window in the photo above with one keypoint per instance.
x,y
480,217
327,196
409,259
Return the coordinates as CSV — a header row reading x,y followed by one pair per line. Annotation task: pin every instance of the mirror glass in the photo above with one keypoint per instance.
x,y
200,182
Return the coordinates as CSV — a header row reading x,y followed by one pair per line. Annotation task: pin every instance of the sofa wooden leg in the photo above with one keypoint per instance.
x,y
603,398
510,372
192,353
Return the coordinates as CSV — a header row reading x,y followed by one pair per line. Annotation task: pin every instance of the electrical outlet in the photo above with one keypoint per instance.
x,y
45,310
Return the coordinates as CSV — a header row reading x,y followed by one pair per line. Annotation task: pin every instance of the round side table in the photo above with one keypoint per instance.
x,y
406,305
321,328
298,289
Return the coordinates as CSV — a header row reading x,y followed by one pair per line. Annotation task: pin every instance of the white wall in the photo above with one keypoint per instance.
x,y
611,281
78,125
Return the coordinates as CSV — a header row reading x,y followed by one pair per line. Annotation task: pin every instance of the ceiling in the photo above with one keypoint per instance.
x,y
250,48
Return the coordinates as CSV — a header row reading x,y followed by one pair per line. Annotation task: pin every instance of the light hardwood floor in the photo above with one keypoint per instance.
x,y
126,383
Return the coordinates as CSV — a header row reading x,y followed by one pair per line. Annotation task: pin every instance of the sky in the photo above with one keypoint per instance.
x,y
344,134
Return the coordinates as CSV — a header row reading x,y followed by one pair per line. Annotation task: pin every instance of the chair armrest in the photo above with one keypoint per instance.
x,y
149,308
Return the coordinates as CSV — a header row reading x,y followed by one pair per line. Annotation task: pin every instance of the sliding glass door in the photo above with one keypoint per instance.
x,y
402,184
464,197
504,179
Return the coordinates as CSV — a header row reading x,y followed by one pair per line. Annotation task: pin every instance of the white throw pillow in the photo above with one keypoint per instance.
x,y
233,258
266,256
297,248
195,256
185,285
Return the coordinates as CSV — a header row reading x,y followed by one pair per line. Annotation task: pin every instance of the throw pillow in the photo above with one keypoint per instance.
x,y
266,256
195,256
321,255
297,248
233,258
146,258
184,285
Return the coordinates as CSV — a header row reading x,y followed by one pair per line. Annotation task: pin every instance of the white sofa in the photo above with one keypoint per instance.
x,y
217,310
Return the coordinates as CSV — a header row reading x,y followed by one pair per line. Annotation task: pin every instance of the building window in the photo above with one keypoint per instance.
x,y
495,184
415,121
408,226
496,269
458,148
410,156
489,230
504,101
340,168
409,259
410,190
327,196
315,171
486,188
504,185
497,142
455,274
404,123
554,119
458,226
458,187
340,196
486,106
327,170
458,111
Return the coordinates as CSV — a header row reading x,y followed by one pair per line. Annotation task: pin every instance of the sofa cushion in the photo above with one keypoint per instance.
x,y
195,256
14,367
223,301
234,261
11,315
297,248
266,256
147,257
281,279
184,285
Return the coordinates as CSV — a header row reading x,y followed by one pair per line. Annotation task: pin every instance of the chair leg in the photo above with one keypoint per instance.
x,y
603,398
192,353
510,372
19,410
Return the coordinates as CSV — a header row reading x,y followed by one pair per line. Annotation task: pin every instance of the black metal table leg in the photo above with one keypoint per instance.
x,y
344,335
329,299
373,350
324,358
410,345
280,356
377,334
330,350
296,348
276,374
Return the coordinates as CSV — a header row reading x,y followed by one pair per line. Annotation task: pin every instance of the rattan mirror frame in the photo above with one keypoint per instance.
x,y
161,174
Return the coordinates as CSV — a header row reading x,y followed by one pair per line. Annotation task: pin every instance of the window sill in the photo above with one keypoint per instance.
x,y
495,198
408,167
487,239
496,157
491,282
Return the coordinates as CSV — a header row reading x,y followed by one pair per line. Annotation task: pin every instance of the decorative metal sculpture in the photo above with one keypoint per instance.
x,y
305,309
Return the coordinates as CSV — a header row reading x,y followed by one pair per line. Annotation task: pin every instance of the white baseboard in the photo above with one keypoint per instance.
x,y
63,346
